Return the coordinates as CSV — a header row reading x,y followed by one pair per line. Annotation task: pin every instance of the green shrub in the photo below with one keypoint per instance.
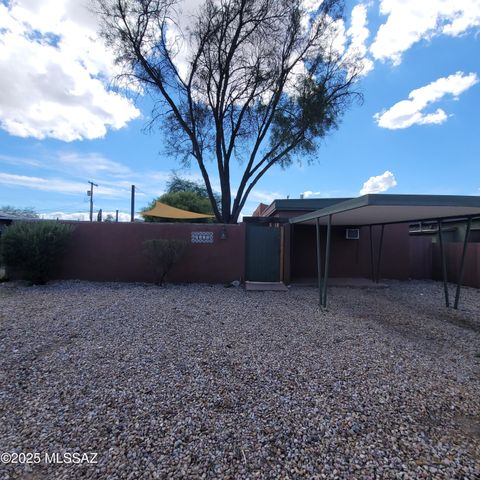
x,y
33,249
162,255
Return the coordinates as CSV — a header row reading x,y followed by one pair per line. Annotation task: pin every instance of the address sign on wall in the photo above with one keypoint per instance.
x,y
202,237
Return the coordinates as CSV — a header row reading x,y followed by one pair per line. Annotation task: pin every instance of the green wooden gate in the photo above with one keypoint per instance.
x,y
263,253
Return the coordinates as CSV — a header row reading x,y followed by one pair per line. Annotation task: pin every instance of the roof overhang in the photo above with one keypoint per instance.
x,y
377,209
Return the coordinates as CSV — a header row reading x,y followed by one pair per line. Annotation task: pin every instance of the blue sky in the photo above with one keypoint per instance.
x,y
417,130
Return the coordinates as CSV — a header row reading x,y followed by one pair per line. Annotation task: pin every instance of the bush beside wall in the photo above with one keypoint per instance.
x,y
162,255
34,248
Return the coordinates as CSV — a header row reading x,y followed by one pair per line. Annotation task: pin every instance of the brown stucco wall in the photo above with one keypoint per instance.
x,y
113,252
421,260
403,256
453,254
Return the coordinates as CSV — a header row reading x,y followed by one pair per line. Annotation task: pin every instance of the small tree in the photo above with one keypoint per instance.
x,y
33,249
179,184
162,255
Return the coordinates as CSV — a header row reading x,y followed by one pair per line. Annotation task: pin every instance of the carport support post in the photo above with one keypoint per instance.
x,y
379,259
444,263
462,263
327,260
319,261
372,260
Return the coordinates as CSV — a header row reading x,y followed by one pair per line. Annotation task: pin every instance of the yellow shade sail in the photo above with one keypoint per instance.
x,y
166,211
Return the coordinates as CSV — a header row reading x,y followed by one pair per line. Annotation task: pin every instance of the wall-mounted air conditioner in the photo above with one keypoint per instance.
x,y
352,233
427,227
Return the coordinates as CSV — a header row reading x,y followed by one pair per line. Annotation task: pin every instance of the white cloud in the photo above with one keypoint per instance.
x,y
311,5
338,37
21,161
54,73
67,172
410,112
85,216
358,34
309,193
264,196
59,185
380,183
77,216
410,21
92,165
335,42
71,163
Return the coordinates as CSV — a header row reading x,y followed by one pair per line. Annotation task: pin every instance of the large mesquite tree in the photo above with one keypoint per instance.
x,y
258,82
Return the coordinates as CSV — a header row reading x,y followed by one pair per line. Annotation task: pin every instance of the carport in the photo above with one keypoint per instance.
x,y
377,211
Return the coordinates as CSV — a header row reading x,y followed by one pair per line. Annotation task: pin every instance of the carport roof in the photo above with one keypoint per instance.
x,y
377,209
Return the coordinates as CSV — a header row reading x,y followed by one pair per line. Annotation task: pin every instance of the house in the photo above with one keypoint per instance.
x,y
395,237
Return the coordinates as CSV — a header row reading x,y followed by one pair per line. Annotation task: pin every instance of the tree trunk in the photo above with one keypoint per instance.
x,y
226,199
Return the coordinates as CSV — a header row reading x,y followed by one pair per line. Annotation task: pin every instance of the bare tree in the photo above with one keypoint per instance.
x,y
253,81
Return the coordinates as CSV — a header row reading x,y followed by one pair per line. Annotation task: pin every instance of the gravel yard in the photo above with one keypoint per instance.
x,y
210,382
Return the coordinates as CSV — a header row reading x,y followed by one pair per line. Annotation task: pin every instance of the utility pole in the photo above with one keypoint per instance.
x,y
132,206
90,194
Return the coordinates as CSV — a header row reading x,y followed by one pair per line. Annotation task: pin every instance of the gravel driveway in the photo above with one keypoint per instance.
x,y
212,382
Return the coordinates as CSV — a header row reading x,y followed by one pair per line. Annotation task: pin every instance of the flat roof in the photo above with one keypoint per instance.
x,y
377,209
301,204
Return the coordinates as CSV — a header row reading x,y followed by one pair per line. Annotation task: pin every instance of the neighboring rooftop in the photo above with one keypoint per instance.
x,y
8,216
299,205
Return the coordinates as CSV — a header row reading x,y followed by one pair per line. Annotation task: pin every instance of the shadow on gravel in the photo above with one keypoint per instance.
x,y
460,320
464,318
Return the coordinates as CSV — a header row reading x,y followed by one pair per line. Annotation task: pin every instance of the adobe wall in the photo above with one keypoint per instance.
x,y
113,252
453,254
403,256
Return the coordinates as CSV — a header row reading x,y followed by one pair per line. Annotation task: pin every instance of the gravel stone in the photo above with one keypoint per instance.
x,y
208,382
